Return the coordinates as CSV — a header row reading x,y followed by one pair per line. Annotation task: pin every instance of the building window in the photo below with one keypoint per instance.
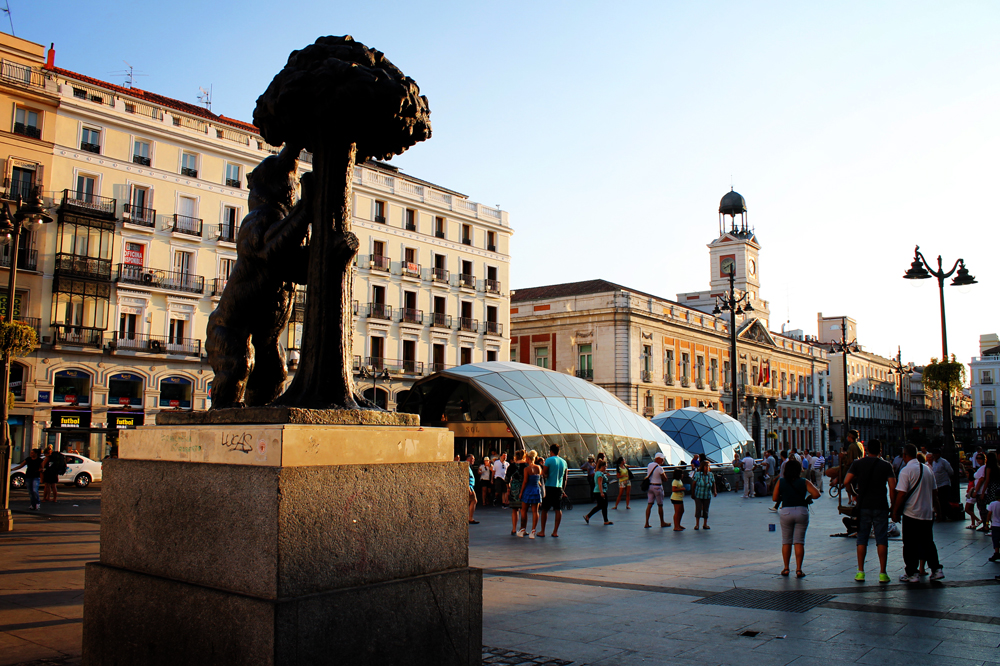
x,y
26,123
139,206
647,359
669,403
987,376
988,417
128,326
134,254
90,140
233,175
542,357
229,227
743,374
586,366
465,355
189,165
513,354
700,368
22,182
668,366
491,241
687,403
491,355
713,370
439,227
467,234
411,219
380,211
685,366
176,333
141,153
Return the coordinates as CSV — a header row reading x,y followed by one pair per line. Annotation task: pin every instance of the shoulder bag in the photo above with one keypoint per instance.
x,y
645,482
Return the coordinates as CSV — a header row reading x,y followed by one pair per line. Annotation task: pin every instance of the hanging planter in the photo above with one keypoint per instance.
x,y
16,339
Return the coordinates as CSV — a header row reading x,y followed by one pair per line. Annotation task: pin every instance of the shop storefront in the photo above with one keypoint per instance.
x,y
125,390
19,426
175,393
123,420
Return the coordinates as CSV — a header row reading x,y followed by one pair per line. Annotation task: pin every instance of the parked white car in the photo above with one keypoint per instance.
x,y
80,471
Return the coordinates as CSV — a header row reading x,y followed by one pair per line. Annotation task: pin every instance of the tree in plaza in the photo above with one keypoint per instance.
x,y
944,375
344,103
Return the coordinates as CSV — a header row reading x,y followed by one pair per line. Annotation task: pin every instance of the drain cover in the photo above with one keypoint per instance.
x,y
787,602
751,634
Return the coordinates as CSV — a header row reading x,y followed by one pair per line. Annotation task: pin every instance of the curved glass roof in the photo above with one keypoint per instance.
x,y
704,431
544,407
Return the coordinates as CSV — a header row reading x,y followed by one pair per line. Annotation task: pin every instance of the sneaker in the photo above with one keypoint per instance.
x,y
520,533
995,558
532,535
938,574
860,576
884,578
771,508
907,578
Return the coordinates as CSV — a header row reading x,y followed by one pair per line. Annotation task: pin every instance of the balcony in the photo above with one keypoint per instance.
x,y
219,285
438,234
29,131
686,382
494,328
411,270
189,172
411,226
668,379
647,376
85,267
648,412
466,281
228,233
439,367
468,324
154,344
80,336
89,203
713,385
90,147
987,380
379,262
440,320
699,383
144,217
142,161
27,260
394,366
189,226
380,311
151,277
492,286
380,219
25,75
233,182
466,241
411,316
491,248
988,402
439,275
585,373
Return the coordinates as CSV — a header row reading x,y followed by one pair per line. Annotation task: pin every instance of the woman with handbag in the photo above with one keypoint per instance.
x,y
795,495
624,483
531,493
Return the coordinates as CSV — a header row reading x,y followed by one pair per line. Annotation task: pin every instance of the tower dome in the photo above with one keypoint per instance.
x,y
733,205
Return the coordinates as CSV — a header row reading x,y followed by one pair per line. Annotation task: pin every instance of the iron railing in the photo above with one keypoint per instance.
x,y
26,260
152,277
439,234
144,217
155,344
668,379
491,248
79,266
395,366
440,320
467,281
190,226
411,316
89,202
411,226
13,72
12,189
439,275
647,376
379,311
189,172
466,241
380,219
78,335
233,182
685,382
228,232
33,322
379,262
90,147
219,285
493,286
699,383
139,159
494,328
29,131
468,324
410,269
585,373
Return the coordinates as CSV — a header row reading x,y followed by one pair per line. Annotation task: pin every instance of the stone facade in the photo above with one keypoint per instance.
x,y
984,379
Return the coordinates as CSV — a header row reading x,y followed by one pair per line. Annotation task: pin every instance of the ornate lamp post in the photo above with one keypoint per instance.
x,y
902,372
729,302
846,348
374,374
25,214
920,269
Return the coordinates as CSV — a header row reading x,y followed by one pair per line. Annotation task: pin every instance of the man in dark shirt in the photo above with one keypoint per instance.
x,y
32,476
872,475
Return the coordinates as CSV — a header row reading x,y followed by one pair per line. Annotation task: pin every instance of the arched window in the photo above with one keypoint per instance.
x,y
379,397
175,392
72,386
125,389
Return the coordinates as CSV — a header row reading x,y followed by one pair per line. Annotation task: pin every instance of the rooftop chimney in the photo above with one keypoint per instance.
x,y
50,57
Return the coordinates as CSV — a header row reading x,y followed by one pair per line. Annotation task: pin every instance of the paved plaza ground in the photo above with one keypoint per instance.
x,y
611,595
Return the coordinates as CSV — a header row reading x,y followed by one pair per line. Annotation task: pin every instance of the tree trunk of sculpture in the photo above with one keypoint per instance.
x,y
325,377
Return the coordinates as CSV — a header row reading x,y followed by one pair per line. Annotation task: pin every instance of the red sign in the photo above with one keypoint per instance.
x,y
134,253
123,401
175,403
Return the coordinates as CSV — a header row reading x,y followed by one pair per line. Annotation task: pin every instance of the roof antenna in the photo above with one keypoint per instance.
x,y
6,10
205,98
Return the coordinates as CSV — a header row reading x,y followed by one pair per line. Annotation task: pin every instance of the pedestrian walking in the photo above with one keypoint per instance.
x,y
600,492
515,474
978,480
748,466
677,497
942,479
915,497
556,473
624,483
500,466
819,463
471,461
531,493
486,478
32,476
703,490
657,477
791,492
874,478
987,487
53,465
770,469
993,510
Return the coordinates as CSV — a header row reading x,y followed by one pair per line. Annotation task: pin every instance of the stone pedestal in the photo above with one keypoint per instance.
x,y
283,544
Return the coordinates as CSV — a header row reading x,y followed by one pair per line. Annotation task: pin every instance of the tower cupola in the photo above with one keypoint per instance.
x,y
733,205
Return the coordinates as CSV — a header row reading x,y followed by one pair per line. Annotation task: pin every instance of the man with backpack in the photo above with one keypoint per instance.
x,y
872,476
915,497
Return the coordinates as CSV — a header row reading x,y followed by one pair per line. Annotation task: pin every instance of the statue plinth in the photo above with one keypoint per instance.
x,y
281,542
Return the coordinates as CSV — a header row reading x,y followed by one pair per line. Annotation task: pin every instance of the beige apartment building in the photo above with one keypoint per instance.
x,y
147,194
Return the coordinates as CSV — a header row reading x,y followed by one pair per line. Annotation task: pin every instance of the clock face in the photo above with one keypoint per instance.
x,y
728,265
753,267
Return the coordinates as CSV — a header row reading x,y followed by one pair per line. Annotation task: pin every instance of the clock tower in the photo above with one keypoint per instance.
x,y
735,249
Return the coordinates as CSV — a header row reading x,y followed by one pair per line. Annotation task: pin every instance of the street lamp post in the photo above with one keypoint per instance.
x,y
374,374
729,302
846,348
28,213
901,371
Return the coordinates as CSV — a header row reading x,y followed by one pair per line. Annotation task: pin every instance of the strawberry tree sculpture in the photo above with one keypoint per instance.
x,y
345,103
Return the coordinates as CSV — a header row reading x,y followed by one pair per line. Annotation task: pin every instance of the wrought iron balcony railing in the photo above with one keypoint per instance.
x,y
152,277
379,311
439,275
155,344
219,285
228,233
27,260
379,262
468,324
467,281
90,147
585,373
394,366
89,203
29,131
86,267
411,316
380,219
440,320
12,189
82,336
494,328
492,286
411,226
439,234
189,172
190,226
140,160
491,248
144,217
410,269
233,182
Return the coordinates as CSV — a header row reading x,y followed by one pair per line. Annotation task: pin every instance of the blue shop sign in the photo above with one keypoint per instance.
x,y
44,396
15,420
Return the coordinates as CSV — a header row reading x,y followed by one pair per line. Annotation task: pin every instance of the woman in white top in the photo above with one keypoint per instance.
x,y
485,478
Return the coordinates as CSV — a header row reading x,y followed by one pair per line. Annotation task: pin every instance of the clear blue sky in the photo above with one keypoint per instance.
x,y
609,131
